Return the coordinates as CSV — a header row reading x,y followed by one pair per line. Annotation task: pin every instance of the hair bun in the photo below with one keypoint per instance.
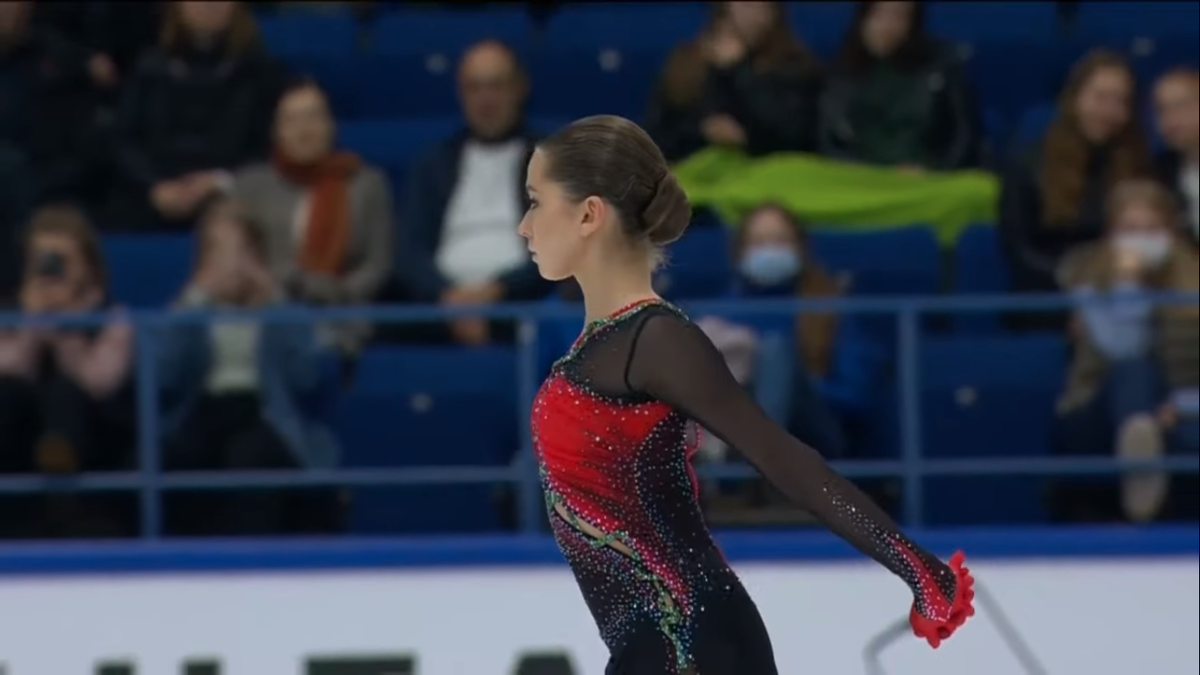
x,y
668,213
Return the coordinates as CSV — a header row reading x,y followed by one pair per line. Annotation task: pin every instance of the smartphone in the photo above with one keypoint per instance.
x,y
50,265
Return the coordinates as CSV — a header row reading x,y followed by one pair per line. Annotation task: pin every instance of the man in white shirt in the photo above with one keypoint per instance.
x,y
459,242
1177,108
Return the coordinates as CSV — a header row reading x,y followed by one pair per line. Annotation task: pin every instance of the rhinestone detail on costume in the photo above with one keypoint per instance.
x,y
620,469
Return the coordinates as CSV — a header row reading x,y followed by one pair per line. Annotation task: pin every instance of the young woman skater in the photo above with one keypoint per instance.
x,y
614,427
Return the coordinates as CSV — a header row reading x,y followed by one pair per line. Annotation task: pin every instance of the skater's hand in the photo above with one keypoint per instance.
x,y
940,616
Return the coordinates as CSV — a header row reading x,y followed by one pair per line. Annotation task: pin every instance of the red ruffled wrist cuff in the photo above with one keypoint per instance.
x,y
934,631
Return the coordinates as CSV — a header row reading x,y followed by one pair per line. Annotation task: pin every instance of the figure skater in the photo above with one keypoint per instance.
x,y
614,428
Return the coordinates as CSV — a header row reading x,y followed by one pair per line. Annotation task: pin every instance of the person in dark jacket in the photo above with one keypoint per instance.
x,y
745,82
47,108
14,204
66,392
1052,196
114,34
458,237
197,107
897,97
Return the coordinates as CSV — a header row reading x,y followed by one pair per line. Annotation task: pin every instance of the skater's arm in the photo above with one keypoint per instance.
x,y
673,361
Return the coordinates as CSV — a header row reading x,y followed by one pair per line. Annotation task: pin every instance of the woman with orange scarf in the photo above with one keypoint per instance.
x,y
326,217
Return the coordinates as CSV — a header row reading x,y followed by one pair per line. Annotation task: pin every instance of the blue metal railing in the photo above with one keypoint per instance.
x,y
912,467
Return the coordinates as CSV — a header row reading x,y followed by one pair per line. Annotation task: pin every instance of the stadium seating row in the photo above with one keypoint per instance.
x,y
414,398
148,271
593,59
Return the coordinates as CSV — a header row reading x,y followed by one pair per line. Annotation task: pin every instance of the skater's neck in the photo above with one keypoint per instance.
x,y
616,284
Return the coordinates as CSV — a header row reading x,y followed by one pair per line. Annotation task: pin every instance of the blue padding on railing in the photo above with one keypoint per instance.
x,y
776,547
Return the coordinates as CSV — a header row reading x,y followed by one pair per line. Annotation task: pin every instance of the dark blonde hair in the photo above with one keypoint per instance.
x,y
1066,152
64,220
230,211
243,36
1143,192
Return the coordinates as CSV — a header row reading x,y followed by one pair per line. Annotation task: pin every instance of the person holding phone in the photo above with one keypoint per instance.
x,y
66,401
235,391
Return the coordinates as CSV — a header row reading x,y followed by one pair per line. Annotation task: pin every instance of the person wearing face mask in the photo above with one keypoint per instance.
x,y
746,82
1134,383
812,371
326,217
1052,196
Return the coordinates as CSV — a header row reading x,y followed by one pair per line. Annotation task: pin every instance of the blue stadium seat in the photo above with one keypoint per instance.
x,y
698,266
886,262
427,32
1033,123
1118,23
1163,54
148,271
407,408
988,397
645,26
979,268
329,33
579,83
1011,75
401,85
821,25
395,142
971,22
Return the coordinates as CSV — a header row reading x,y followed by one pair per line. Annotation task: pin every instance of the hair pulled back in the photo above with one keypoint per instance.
x,y
609,157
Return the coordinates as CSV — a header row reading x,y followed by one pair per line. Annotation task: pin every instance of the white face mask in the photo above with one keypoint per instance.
x,y
1152,248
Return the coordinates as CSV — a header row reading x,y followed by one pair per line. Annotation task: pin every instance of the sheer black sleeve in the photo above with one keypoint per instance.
x,y
673,361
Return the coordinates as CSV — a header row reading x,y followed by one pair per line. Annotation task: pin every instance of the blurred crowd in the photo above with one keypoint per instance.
x,y
161,118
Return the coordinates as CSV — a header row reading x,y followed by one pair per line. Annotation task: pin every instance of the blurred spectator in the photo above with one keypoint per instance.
x,y
14,202
1136,371
1177,105
198,106
114,34
808,364
458,234
66,397
1053,196
234,390
898,97
326,217
47,107
745,82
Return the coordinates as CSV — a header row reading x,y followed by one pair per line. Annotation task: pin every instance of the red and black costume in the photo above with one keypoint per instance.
x,y
614,427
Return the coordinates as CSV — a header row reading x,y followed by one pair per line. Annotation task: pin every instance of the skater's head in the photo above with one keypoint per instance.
x,y
601,195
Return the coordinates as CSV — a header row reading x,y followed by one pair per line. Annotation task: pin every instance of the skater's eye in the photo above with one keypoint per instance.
x,y
532,203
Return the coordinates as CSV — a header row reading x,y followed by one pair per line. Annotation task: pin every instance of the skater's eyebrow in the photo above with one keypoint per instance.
x,y
530,188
